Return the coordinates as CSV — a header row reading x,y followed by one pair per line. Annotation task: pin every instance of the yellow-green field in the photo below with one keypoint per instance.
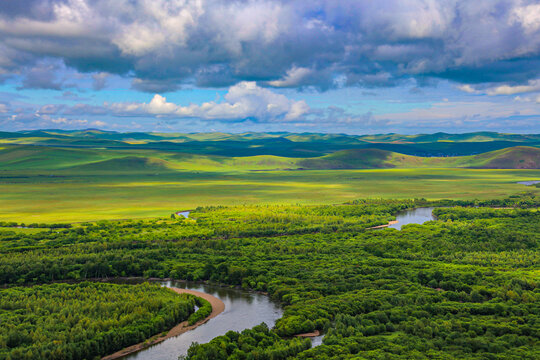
x,y
92,175
37,197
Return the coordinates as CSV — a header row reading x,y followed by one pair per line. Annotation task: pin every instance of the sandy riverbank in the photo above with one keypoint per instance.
x,y
385,225
217,308
310,334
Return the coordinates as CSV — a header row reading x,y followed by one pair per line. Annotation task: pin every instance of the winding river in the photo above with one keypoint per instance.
x,y
243,310
413,216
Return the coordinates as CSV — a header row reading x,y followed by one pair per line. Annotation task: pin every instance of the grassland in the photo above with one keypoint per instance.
x,y
96,175
34,197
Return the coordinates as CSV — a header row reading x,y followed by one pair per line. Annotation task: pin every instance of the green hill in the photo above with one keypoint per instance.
x,y
350,159
126,164
519,157
28,157
291,145
201,156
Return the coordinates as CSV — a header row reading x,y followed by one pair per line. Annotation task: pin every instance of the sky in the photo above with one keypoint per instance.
x,y
356,67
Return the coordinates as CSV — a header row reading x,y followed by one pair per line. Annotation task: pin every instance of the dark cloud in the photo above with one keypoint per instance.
x,y
41,78
155,85
38,9
44,76
321,43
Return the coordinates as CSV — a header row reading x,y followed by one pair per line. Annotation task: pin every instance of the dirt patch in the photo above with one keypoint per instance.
x,y
310,334
385,225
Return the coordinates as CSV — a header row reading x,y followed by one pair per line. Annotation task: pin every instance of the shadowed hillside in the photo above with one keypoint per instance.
x,y
350,159
519,157
27,157
304,145
126,164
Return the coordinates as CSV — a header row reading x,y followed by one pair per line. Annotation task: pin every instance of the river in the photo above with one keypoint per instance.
x,y
243,310
529,183
413,216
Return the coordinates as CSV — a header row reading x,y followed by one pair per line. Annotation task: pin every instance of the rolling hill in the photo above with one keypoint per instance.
x,y
126,164
304,145
350,159
519,157
38,158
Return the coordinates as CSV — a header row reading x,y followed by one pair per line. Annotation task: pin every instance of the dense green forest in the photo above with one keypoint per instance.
x,y
85,320
464,286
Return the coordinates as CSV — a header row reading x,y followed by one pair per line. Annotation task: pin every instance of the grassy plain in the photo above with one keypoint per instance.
x,y
48,176
62,196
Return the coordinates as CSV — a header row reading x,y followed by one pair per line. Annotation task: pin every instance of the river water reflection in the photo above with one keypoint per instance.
x,y
243,310
413,216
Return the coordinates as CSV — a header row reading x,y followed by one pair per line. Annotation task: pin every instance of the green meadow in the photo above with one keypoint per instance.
x,y
37,197
48,176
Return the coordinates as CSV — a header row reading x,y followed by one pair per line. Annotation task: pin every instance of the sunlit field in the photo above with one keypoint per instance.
x,y
64,197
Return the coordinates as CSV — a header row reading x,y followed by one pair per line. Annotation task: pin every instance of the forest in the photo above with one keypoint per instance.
x,y
85,320
464,286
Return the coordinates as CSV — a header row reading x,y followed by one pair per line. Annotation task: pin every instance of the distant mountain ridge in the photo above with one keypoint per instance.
x,y
297,137
29,157
295,145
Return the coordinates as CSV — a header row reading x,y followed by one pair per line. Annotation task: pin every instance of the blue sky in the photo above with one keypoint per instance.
x,y
407,66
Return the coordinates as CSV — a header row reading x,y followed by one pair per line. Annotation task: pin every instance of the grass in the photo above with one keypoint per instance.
x,y
23,230
92,161
35,196
48,183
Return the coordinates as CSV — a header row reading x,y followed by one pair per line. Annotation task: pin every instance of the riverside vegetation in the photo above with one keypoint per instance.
x,y
85,320
464,286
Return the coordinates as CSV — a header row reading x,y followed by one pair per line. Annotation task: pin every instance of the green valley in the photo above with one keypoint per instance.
x,y
48,175
299,219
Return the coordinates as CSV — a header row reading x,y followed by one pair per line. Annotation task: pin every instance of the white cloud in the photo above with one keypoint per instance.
x,y
158,24
469,111
528,99
169,42
467,88
533,85
528,17
243,100
294,77
65,121
99,123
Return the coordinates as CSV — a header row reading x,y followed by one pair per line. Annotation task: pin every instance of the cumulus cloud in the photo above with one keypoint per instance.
x,y
164,43
467,88
528,16
533,85
65,121
528,99
244,100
